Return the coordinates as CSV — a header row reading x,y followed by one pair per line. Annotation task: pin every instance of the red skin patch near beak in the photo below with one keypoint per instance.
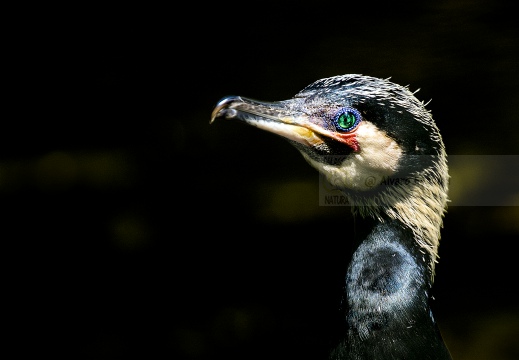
x,y
349,139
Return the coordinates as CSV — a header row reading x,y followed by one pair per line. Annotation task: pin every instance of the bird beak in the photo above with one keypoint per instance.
x,y
279,118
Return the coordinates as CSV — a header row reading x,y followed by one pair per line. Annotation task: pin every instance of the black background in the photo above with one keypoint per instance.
x,y
142,231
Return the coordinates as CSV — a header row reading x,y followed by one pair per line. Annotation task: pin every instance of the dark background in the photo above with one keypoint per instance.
x,y
142,231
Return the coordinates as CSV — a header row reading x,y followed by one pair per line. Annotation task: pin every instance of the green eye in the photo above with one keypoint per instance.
x,y
346,119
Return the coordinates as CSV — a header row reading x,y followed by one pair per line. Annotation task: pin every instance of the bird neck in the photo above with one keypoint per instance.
x,y
418,203
387,299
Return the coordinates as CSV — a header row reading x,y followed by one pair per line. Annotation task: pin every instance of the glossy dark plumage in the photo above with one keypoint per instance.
x,y
377,143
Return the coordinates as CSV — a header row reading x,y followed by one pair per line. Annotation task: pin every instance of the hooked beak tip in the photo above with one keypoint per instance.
x,y
222,106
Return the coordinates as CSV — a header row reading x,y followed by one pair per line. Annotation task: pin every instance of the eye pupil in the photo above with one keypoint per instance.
x,y
347,119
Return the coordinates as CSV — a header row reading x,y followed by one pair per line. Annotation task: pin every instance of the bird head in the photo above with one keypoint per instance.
x,y
371,138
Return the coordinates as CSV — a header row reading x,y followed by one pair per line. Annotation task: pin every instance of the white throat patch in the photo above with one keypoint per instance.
x,y
377,159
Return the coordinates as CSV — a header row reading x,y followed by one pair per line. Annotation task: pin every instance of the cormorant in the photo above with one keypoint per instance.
x,y
377,143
